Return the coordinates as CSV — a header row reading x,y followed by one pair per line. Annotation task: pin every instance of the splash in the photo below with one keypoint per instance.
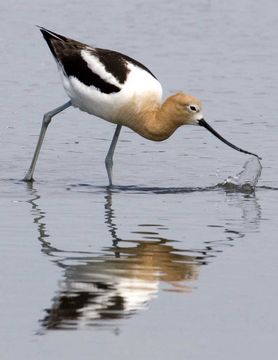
x,y
246,180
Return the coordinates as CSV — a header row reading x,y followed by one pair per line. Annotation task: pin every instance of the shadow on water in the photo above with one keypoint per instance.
x,y
100,289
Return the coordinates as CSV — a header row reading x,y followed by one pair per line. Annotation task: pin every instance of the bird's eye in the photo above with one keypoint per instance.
x,y
193,108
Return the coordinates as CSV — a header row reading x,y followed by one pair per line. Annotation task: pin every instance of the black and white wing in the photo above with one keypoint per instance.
x,y
105,70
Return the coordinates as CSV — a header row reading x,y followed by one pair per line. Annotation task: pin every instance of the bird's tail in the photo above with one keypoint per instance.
x,y
51,38
51,34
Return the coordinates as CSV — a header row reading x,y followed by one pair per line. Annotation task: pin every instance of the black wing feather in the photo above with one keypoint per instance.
x,y
67,52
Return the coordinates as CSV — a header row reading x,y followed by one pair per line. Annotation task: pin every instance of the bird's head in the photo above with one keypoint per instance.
x,y
188,111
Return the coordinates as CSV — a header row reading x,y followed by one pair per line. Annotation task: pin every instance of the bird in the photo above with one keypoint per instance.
x,y
120,90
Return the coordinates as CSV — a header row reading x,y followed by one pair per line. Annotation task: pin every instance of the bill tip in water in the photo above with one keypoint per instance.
x,y
247,152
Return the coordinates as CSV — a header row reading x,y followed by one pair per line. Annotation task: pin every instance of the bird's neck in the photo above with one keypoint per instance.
x,y
156,122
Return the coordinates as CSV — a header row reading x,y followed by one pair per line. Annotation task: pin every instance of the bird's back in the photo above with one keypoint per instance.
x,y
103,82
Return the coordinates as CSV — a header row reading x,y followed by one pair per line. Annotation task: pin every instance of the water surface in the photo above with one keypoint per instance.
x,y
171,262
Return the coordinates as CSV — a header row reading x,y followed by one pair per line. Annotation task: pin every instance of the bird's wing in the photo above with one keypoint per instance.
x,y
106,70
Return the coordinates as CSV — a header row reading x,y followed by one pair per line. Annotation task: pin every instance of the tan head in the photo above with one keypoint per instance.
x,y
187,108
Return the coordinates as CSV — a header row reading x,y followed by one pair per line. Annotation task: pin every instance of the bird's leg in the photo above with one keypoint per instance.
x,y
109,156
46,121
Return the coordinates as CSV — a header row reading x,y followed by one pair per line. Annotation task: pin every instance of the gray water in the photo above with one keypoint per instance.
x,y
167,264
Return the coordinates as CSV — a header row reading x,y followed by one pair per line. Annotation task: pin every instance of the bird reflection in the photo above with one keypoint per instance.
x,y
97,289
100,289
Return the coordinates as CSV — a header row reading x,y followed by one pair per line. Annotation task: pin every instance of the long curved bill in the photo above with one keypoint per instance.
x,y
203,123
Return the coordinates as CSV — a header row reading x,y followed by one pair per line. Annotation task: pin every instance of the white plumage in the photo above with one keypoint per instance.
x,y
140,87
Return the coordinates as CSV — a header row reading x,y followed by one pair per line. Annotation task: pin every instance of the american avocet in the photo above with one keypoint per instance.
x,y
118,89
